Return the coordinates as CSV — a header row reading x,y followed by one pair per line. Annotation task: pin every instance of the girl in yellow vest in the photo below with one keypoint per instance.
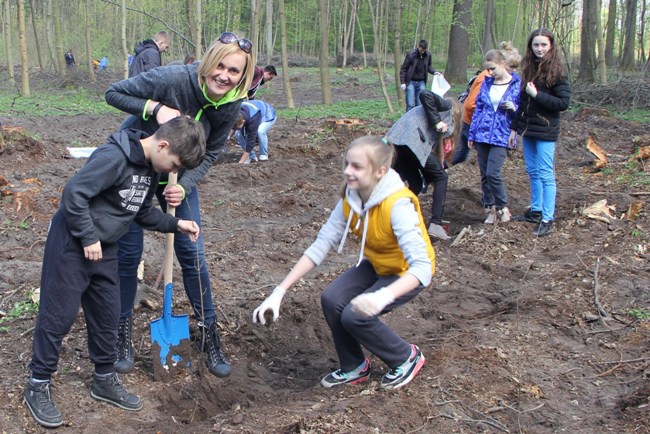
x,y
396,262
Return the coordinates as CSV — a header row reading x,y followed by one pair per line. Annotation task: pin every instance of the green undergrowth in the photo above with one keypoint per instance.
x,y
60,103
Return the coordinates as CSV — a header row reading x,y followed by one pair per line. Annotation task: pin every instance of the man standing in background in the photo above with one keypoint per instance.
x,y
413,73
148,53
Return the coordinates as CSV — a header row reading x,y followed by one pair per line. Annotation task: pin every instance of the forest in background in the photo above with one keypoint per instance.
x,y
598,36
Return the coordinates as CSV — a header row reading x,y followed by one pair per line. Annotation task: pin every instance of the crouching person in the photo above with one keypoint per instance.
x,y
114,188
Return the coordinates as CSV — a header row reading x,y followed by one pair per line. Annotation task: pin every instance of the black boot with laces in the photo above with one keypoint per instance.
x,y
109,388
215,359
124,362
40,404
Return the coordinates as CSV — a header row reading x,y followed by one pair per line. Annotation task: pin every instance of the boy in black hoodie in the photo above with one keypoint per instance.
x,y
114,188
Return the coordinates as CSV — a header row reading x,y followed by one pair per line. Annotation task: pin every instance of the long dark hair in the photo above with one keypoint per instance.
x,y
547,70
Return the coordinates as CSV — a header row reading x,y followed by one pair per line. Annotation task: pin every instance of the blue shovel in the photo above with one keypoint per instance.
x,y
168,331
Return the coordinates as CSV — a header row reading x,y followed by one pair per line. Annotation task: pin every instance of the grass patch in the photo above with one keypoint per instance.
x,y
61,103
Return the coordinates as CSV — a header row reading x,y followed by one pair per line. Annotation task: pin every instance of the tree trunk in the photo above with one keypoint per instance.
x,y
269,31
374,19
288,94
6,21
611,33
36,40
326,86
363,43
197,24
255,27
487,31
22,40
602,67
642,32
397,51
89,50
590,10
125,50
58,37
456,71
627,62
51,49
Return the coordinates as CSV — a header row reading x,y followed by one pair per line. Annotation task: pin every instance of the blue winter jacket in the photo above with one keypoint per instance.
x,y
490,126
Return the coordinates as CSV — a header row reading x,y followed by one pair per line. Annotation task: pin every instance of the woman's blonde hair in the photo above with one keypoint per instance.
x,y
379,151
215,54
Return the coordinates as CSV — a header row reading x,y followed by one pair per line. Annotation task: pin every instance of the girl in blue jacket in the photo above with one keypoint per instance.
x,y
489,131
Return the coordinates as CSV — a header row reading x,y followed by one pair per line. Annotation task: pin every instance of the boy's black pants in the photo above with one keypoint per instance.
x,y
68,281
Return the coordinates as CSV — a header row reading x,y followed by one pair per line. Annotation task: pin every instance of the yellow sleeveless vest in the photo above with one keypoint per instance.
x,y
381,248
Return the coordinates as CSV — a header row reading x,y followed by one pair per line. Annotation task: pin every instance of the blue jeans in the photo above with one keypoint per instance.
x,y
540,165
262,138
196,279
462,148
352,331
490,161
413,93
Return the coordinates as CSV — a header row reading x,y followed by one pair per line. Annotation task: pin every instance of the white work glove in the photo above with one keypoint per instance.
x,y
402,86
271,303
372,303
509,105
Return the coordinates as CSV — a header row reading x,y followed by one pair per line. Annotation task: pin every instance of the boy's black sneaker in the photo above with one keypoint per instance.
x,y
124,362
528,216
339,377
403,374
543,229
40,404
109,388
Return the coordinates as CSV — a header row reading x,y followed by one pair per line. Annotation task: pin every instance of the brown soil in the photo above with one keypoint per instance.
x,y
509,327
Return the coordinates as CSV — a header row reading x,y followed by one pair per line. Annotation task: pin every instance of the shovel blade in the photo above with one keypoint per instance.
x,y
168,332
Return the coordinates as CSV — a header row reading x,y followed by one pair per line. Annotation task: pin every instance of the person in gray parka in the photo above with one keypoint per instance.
x,y
418,136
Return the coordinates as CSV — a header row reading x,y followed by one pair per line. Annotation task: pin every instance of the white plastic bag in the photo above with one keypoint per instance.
x,y
439,85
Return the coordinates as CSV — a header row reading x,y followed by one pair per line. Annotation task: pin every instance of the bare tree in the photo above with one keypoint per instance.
x,y
611,33
58,37
590,11
600,43
269,30
288,94
6,26
89,50
642,32
375,14
456,71
36,39
397,50
22,41
326,86
487,31
627,61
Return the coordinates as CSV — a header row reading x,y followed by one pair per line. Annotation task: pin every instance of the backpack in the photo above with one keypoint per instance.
x,y
463,95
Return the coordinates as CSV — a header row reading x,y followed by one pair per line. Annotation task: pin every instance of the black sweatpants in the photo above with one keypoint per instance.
x,y
68,281
409,168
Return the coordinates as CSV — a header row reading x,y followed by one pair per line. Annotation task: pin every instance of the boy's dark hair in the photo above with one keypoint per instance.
x,y
186,139
423,44
271,69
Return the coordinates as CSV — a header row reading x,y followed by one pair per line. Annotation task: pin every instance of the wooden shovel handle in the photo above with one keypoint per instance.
x,y
168,264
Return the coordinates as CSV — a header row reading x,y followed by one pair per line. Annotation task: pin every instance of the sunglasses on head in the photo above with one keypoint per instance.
x,y
228,38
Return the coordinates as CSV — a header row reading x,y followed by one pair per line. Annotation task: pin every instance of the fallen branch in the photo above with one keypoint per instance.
x,y
601,310
460,236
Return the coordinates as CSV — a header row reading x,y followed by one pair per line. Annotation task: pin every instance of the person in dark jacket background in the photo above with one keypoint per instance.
x,y
545,93
420,137
210,91
413,73
148,53
114,188
261,76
